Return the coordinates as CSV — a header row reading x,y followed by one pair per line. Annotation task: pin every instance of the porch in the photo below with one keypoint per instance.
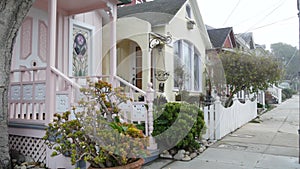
x,y
48,70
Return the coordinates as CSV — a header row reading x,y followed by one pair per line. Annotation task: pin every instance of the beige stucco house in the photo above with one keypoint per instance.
x,y
158,42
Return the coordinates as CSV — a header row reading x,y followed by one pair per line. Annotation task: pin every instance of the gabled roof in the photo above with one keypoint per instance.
x,y
157,12
248,38
218,36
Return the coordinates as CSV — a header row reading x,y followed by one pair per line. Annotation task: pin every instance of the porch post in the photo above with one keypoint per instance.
x,y
149,99
50,81
113,44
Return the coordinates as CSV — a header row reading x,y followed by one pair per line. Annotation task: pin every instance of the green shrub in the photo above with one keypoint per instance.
x,y
178,125
288,93
160,100
283,96
259,105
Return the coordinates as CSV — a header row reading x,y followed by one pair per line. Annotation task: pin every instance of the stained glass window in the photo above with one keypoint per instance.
x,y
80,51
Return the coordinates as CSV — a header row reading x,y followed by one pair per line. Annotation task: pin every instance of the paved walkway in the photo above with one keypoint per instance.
x,y
272,144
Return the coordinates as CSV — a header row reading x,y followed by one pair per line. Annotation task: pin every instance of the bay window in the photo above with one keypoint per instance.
x,y
187,67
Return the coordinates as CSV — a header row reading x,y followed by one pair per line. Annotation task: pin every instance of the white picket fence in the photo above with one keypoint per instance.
x,y
220,121
276,92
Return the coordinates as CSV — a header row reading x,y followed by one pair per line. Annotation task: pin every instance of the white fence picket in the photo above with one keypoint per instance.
x,y
220,121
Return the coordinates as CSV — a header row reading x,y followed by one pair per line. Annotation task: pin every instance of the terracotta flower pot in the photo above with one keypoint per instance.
x,y
135,165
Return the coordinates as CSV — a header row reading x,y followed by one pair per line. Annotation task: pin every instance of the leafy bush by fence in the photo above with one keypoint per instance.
x,y
178,120
287,93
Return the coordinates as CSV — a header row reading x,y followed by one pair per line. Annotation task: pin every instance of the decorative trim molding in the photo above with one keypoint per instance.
x,y
62,103
27,92
26,37
40,91
15,92
43,40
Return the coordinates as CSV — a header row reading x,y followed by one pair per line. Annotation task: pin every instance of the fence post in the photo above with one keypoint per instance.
x,y
207,122
218,119
150,98
279,95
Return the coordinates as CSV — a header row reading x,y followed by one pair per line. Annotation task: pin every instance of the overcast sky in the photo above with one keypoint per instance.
x,y
271,21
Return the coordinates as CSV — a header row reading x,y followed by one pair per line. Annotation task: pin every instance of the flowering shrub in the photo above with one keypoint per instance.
x,y
95,135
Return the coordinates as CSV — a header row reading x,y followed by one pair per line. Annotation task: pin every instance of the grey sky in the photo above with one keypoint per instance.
x,y
271,21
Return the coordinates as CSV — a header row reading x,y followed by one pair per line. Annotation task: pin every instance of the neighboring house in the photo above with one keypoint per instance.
x,y
260,50
245,41
155,39
59,44
222,38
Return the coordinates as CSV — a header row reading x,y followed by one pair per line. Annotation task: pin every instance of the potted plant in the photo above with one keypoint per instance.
x,y
96,134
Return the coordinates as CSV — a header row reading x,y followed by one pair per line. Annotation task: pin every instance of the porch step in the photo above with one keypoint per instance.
x,y
154,154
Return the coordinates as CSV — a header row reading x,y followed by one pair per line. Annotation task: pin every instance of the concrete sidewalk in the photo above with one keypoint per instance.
x,y
272,144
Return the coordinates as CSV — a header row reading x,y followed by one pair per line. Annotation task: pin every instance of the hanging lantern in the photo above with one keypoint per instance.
x,y
162,75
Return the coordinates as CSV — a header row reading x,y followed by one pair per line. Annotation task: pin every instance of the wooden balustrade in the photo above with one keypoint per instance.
x,y
27,96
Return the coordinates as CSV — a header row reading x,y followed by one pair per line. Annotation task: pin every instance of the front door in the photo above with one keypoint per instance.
x,y
31,45
137,63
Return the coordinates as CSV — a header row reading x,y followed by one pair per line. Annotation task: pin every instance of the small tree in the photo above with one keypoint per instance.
x,y
181,76
247,71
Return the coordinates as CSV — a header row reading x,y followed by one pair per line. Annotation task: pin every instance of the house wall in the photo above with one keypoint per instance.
x,y
159,55
192,35
227,43
124,56
62,53
32,41
130,31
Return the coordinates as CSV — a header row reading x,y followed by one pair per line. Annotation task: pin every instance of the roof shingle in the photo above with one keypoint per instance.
x,y
157,12
218,36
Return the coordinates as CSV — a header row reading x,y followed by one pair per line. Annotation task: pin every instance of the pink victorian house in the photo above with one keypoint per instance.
x,y
59,44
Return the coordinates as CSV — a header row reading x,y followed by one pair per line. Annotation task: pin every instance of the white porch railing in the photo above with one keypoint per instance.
x,y
27,95
132,111
220,121
276,93
27,106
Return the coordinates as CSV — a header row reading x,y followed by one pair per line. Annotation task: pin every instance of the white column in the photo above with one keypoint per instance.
x,y
113,44
150,98
52,31
50,81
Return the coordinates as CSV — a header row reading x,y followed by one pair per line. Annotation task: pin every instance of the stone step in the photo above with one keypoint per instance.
x,y
154,154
